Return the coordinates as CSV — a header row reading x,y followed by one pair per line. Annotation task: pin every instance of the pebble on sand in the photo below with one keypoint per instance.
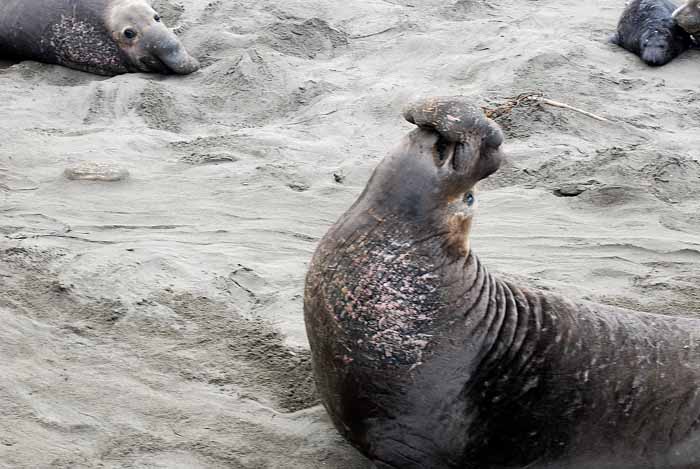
x,y
90,171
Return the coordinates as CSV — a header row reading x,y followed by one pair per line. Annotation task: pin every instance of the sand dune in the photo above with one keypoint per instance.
x,y
157,321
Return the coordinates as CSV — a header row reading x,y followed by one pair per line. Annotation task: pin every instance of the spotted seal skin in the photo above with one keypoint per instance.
x,y
425,360
106,37
688,17
648,29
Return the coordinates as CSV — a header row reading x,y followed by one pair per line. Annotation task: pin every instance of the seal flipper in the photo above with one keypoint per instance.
x,y
614,39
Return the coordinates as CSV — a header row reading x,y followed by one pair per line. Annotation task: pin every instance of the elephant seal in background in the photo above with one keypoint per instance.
x,y
425,360
688,16
106,37
648,29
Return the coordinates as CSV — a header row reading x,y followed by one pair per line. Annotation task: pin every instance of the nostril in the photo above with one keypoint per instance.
x,y
442,151
460,158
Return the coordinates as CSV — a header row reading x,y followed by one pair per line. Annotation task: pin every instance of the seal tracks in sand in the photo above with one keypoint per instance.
x,y
158,108
469,9
243,356
252,84
311,39
103,104
206,340
247,82
260,163
613,175
171,12
247,287
220,149
252,89
689,100
681,221
160,104
676,293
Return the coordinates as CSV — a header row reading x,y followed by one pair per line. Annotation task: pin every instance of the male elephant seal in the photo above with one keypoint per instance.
x,y
107,37
648,29
688,16
424,359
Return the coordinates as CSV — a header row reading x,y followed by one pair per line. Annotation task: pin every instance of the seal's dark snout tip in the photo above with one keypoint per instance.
x,y
455,118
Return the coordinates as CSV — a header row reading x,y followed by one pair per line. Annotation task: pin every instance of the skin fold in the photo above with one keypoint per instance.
x,y
106,37
424,359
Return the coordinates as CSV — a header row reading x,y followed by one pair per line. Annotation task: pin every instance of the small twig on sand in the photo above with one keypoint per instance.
x,y
539,99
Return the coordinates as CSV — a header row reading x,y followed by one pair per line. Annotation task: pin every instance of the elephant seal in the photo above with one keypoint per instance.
x,y
648,29
425,360
688,16
106,37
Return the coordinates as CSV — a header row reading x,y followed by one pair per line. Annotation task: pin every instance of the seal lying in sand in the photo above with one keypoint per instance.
x,y
424,359
107,37
647,29
688,16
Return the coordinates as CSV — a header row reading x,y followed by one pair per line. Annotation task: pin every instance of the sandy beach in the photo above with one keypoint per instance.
x,y
155,321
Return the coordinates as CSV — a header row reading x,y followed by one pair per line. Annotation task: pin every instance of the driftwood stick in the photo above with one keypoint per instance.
x,y
551,102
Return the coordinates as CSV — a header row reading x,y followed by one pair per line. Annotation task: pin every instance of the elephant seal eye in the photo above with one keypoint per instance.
x,y
469,199
129,33
156,17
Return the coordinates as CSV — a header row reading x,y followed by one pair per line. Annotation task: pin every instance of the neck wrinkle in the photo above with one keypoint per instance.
x,y
504,318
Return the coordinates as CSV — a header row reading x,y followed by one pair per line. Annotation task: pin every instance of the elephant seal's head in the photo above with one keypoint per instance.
x,y
429,179
145,41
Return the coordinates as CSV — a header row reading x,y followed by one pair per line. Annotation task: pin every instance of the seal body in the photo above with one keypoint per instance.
x,y
648,29
423,359
688,16
106,37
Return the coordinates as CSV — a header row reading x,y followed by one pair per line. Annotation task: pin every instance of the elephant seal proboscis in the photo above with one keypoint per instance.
x,y
688,16
106,37
425,360
647,29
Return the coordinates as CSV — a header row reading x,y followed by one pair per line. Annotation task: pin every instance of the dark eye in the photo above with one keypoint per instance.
x,y
156,17
129,33
469,199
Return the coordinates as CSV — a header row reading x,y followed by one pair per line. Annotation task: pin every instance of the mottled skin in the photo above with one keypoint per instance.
x,y
688,16
647,29
92,36
424,359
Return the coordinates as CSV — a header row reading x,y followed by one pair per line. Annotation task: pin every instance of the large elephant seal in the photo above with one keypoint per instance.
x,y
647,28
425,360
107,37
688,16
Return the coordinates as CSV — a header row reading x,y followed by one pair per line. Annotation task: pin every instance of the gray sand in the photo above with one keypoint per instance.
x,y
156,321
